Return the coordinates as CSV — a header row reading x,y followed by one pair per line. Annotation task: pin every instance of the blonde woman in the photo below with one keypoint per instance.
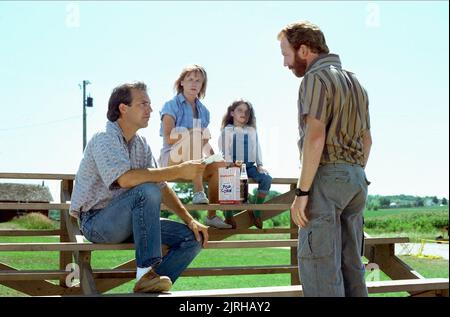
x,y
184,128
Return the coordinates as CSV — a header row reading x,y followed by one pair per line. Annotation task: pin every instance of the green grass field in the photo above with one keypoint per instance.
x,y
399,211
415,223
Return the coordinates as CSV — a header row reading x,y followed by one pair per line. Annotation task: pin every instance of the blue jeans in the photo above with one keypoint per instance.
x,y
135,215
264,180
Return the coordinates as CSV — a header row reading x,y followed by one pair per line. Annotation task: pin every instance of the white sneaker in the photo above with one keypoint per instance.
x,y
217,223
200,198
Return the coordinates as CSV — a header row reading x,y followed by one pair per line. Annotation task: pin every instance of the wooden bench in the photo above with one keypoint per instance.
x,y
422,287
72,247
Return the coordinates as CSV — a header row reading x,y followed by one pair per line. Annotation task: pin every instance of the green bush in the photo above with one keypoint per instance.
x,y
35,220
413,221
282,220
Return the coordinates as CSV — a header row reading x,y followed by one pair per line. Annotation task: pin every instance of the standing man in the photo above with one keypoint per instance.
x,y
334,147
119,189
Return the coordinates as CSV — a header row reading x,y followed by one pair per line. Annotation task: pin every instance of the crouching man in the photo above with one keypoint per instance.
x,y
119,190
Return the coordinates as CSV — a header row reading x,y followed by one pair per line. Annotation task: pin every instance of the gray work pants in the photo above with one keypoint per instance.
x,y
331,246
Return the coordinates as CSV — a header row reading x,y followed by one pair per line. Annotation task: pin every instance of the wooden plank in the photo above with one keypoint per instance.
x,y
64,246
28,232
87,246
66,188
218,232
434,293
266,208
104,285
276,291
241,270
34,206
26,275
297,290
244,220
65,206
408,285
275,180
65,258
86,279
36,288
251,244
30,275
73,234
36,176
109,279
379,241
282,181
384,256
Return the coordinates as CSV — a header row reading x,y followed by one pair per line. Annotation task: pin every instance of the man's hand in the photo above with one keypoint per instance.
x,y
191,169
198,228
298,211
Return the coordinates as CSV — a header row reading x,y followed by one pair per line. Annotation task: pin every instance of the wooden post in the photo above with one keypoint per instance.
x,y
295,279
86,278
65,257
384,256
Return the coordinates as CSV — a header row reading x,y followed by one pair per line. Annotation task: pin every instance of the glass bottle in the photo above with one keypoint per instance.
x,y
244,185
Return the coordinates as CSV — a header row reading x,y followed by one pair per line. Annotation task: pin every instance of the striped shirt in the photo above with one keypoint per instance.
x,y
335,97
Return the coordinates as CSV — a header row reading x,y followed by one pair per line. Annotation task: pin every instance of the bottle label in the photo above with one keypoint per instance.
x,y
229,185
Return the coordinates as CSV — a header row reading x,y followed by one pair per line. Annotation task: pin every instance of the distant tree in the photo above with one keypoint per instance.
x,y
435,200
419,202
444,201
185,192
384,202
373,205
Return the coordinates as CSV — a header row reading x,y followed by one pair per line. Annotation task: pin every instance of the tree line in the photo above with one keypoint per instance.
x,y
375,202
185,192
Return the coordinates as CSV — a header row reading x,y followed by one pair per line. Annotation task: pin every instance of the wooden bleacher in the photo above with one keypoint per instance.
x,y
73,248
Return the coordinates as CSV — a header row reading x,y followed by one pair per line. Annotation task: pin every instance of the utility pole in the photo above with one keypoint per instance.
x,y
87,102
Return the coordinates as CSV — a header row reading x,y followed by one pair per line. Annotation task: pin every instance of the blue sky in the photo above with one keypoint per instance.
x,y
399,50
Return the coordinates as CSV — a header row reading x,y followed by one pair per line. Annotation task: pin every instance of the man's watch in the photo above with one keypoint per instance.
x,y
299,192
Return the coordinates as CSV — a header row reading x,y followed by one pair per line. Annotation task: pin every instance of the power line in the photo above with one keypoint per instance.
x,y
40,124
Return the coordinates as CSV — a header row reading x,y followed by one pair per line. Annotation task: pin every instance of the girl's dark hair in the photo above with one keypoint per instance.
x,y
228,119
122,94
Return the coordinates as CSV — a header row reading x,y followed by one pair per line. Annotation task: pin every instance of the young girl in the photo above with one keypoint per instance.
x,y
239,142
184,122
